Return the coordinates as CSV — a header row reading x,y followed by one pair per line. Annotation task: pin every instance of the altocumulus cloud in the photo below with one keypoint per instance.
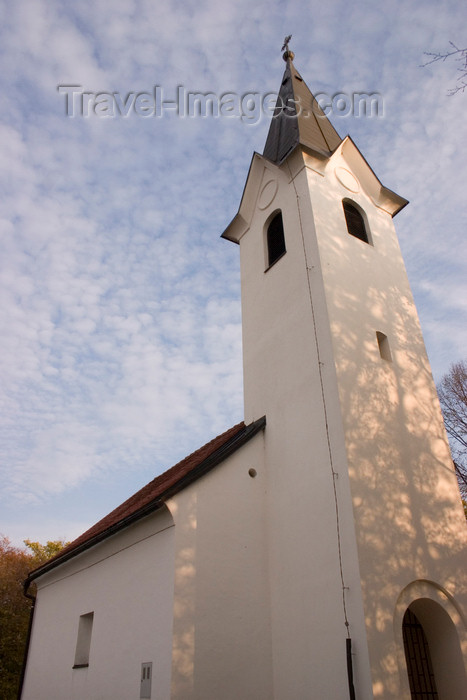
x,y
120,313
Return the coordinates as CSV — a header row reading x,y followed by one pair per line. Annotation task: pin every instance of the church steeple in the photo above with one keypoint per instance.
x,y
298,118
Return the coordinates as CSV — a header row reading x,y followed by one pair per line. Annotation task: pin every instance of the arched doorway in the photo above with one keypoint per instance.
x,y
435,666
418,658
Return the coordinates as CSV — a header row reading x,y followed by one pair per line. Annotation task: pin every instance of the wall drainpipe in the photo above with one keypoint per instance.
x,y
348,644
28,638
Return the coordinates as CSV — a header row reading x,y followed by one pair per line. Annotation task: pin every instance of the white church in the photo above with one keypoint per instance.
x,y
316,550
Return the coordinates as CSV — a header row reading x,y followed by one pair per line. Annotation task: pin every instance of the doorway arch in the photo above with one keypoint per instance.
x,y
418,659
430,616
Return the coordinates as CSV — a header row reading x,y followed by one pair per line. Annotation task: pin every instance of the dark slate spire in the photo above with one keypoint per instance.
x,y
298,119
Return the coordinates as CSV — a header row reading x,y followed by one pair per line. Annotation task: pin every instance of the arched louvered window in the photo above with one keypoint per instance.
x,y
355,221
275,239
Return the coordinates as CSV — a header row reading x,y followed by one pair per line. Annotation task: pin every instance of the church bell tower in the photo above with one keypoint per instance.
x,y
367,532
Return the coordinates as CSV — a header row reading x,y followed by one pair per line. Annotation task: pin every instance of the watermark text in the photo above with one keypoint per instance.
x,y
249,107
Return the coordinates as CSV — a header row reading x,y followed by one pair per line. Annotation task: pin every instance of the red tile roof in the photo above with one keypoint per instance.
x,y
153,495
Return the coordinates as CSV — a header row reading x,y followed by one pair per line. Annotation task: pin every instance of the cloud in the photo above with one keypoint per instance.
x,y
120,314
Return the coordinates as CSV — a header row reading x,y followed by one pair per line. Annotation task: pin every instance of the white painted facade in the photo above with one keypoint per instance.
x,y
127,582
248,586
339,413
186,588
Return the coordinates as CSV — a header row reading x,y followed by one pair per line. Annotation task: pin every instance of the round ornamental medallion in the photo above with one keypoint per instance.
x,y
267,194
346,179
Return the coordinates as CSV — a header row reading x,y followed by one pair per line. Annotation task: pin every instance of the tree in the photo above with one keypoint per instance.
x,y
459,55
43,552
15,564
452,393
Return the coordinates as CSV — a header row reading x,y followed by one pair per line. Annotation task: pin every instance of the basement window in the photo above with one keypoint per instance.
x,y
83,643
275,239
355,222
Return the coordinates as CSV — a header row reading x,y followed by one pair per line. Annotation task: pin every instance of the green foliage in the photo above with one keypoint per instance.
x,y
42,552
15,564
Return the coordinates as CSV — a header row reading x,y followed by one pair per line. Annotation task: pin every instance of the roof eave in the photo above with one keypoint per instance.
x,y
382,196
204,467
239,224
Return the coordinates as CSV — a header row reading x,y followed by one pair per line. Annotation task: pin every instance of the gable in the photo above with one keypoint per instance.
x,y
260,172
153,496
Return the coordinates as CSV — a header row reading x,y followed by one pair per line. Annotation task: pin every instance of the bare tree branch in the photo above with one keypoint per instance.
x,y
452,392
459,55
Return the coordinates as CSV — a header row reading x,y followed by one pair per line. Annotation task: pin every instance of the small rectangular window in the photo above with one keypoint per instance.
x,y
383,345
83,643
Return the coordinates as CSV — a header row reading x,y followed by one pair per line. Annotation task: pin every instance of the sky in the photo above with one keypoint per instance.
x,y
120,304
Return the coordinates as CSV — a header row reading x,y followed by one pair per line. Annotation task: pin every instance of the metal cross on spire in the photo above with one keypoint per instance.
x,y
286,42
287,53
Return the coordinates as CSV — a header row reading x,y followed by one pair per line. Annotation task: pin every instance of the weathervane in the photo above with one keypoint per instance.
x,y
287,53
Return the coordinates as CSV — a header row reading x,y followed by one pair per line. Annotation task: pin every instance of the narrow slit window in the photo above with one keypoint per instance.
x,y
275,239
355,222
383,345
83,643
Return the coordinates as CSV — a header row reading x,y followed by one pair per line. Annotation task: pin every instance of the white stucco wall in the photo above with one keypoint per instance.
x,y
338,412
409,519
289,375
187,589
127,581
221,633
